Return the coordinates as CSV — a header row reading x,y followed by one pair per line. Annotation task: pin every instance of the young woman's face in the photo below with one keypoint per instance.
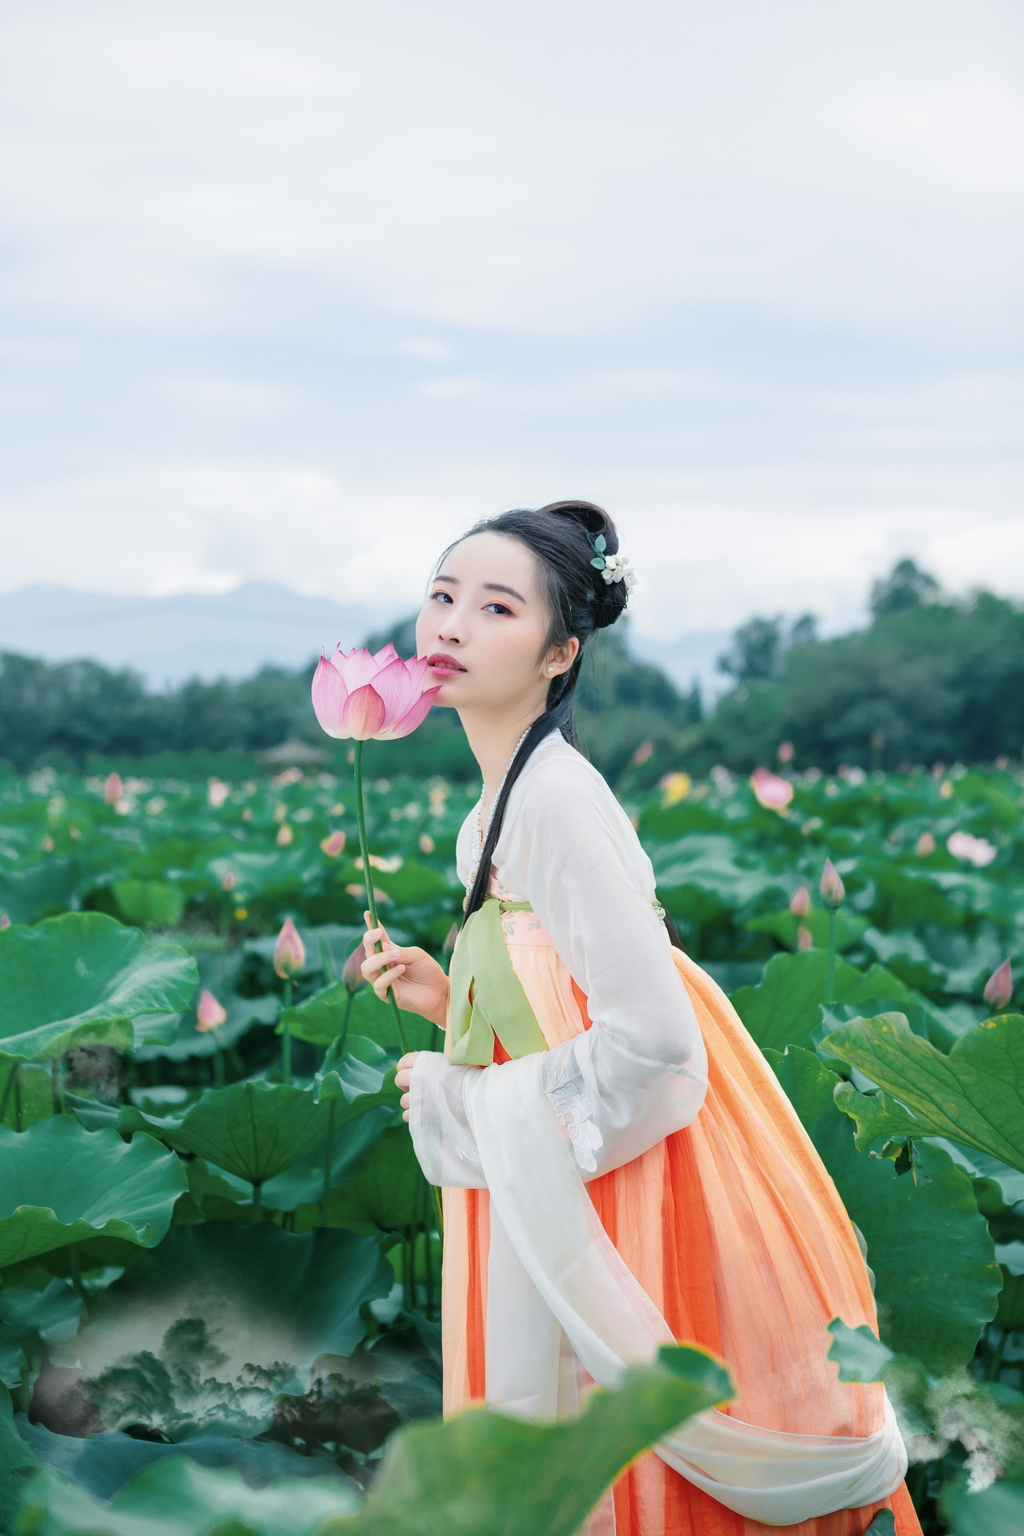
x,y
484,627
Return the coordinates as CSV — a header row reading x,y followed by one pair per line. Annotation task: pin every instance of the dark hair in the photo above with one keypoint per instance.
x,y
580,601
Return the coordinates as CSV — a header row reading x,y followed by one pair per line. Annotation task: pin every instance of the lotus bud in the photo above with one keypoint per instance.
x,y
5,921
47,844
643,753
786,752
771,791
804,937
228,881
285,835
289,951
333,845
800,902
925,845
209,1014
113,789
999,987
833,892
426,843
351,973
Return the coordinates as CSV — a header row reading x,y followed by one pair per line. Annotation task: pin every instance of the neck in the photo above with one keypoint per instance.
x,y
492,740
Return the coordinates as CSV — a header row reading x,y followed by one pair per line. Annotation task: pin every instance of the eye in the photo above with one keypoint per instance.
x,y
498,608
446,595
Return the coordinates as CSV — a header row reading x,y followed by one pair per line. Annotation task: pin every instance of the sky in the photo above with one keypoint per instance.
x,y
296,292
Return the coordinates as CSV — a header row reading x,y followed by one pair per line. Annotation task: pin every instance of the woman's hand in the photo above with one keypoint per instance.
x,y
418,982
403,1079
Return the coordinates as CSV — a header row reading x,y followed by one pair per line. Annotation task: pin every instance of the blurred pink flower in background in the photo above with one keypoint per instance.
x,y
643,752
674,787
113,789
833,891
371,698
333,845
771,791
999,987
786,752
351,973
289,951
5,921
800,901
228,880
804,937
974,849
209,1014
285,835
925,845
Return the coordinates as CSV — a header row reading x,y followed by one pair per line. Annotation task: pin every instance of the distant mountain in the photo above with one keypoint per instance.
x,y
170,639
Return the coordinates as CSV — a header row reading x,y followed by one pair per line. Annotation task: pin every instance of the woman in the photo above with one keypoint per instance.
x,y
620,1166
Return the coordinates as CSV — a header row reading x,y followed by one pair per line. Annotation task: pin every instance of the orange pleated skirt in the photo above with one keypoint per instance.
x,y
735,1230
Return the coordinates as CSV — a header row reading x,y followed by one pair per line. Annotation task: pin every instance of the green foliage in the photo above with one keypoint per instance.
x,y
61,1184
936,1279
82,979
785,1007
972,1095
481,1474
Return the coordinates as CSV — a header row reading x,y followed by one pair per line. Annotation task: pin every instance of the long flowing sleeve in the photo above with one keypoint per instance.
x,y
640,1072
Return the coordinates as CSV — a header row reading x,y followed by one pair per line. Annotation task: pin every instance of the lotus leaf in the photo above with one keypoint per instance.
x,y
936,1279
785,1009
994,1511
83,979
40,890
362,1077
253,1129
60,1184
149,903
17,1463
26,1093
322,1018
480,1474
387,1192
973,1095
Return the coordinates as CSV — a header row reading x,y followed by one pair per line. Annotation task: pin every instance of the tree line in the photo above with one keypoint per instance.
x,y
931,678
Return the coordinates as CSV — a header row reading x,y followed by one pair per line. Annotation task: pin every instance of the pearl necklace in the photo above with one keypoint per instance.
x,y
482,831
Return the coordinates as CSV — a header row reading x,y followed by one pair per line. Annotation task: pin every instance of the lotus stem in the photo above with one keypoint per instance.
x,y
58,1096
8,1086
345,1023
371,900
830,969
328,1150
257,1202
286,1033
76,1271
994,1365
218,1062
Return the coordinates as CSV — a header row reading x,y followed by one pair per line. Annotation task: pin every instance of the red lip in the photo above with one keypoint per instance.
x,y
444,663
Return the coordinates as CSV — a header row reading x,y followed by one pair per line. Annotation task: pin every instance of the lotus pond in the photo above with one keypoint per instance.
x,y
220,1263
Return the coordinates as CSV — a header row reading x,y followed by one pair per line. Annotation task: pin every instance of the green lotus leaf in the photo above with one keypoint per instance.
x,y
363,1077
84,979
997,1510
149,903
386,1194
322,1018
785,1008
61,1184
480,1474
973,1095
17,1463
26,1092
253,1129
40,890
936,1278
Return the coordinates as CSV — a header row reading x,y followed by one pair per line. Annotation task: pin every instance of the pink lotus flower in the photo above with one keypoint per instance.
x,y
371,698
772,792
351,972
113,789
209,1014
333,845
804,937
833,891
800,902
228,880
643,752
925,845
999,987
5,921
786,752
289,951
974,849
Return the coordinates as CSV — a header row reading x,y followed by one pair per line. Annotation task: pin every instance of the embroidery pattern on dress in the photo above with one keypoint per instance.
x,y
575,1115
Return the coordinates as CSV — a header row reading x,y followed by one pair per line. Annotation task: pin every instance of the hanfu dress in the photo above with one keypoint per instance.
x,y
621,1169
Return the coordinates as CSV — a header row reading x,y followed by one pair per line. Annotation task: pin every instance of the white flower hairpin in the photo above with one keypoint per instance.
x,y
612,567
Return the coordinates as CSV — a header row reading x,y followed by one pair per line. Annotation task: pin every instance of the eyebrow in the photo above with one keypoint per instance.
x,y
489,586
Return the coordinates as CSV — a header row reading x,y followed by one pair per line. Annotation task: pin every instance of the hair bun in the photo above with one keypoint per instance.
x,y
609,597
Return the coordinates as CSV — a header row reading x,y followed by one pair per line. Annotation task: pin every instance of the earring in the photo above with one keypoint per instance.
x,y
550,670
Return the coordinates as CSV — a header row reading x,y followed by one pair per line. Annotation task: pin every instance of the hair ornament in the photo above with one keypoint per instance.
x,y
612,567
